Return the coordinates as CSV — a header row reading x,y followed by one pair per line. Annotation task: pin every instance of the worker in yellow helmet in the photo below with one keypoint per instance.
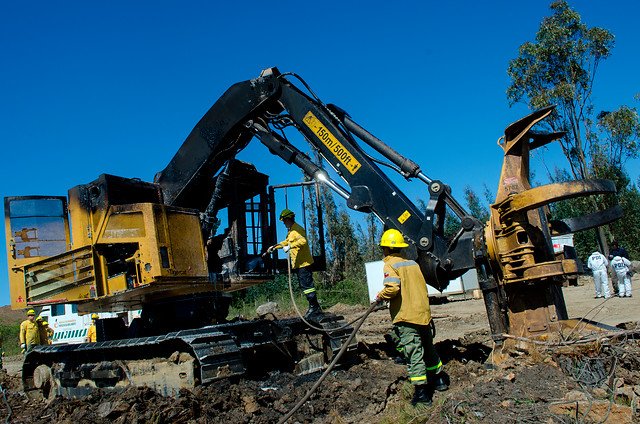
x,y
92,335
29,334
406,290
301,259
45,333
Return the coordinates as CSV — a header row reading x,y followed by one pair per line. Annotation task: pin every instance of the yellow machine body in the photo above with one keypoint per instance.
x,y
122,255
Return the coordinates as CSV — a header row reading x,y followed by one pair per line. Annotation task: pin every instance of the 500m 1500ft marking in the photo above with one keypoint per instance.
x,y
335,147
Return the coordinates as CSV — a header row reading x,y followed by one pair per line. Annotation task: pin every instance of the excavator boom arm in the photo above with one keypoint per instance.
x,y
255,107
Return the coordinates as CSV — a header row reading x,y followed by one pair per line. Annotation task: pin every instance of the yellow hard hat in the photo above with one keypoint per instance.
x,y
45,323
31,312
94,316
286,213
39,318
392,238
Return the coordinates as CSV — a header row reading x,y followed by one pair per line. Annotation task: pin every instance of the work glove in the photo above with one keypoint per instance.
x,y
23,346
286,249
269,250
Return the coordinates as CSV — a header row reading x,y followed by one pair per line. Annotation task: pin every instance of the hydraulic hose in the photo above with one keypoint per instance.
x,y
6,402
317,384
295,307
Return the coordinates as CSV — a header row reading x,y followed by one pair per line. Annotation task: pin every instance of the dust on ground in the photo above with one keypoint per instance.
x,y
597,382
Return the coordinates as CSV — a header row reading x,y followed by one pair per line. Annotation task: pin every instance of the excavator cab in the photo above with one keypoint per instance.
x,y
36,227
132,251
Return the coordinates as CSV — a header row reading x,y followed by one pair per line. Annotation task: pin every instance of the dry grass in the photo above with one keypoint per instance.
x,y
9,316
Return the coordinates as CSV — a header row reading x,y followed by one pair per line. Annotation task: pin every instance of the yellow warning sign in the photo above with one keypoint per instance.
x,y
402,218
335,147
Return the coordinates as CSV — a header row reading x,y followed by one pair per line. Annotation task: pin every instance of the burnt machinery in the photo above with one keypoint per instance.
x,y
140,245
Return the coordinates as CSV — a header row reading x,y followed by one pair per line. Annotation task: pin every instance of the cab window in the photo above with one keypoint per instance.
x,y
57,310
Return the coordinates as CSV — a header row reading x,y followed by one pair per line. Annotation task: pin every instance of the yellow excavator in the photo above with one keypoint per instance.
x,y
118,244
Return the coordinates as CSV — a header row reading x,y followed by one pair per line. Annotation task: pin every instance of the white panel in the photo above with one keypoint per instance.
x,y
468,281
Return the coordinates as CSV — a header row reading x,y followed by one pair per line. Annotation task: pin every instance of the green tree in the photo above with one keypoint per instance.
x,y
312,217
478,208
344,258
627,230
560,67
620,131
342,245
369,239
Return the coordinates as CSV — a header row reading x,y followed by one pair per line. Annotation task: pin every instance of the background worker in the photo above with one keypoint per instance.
x,y
406,290
597,263
621,266
45,333
29,334
92,335
616,250
301,259
49,332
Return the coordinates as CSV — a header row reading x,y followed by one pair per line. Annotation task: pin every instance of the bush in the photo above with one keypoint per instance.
x,y
351,291
9,338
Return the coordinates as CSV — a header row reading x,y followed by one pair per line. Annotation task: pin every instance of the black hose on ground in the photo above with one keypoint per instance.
x,y
295,307
335,360
6,402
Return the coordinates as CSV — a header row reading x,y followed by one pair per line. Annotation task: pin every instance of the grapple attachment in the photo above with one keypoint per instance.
x,y
527,273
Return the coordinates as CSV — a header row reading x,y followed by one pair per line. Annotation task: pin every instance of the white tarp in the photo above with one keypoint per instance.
x,y
468,281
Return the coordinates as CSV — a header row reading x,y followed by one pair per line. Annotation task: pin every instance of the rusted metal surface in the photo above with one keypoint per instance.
x,y
518,235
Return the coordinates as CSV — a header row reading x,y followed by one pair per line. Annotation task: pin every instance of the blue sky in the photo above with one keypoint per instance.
x,y
115,88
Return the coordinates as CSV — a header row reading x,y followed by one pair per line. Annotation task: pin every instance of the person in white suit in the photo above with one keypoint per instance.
x,y
597,263
621,266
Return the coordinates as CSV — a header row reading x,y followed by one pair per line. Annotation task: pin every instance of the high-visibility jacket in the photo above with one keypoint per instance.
x,y
29,333
45,334
297,241
406,290
91,334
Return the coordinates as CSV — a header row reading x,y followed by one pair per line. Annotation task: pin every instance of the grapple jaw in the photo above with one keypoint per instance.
x,y
526,273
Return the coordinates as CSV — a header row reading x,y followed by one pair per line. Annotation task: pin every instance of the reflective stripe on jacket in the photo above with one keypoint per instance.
x,y
29,333
406,290
297,241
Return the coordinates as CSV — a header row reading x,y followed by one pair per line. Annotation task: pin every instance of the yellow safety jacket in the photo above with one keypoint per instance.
x,y
29,333
297,240
45,334
406,290
91,334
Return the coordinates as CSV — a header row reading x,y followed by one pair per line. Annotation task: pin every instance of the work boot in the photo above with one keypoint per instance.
x,y
399,359
439,382
315,311
422,396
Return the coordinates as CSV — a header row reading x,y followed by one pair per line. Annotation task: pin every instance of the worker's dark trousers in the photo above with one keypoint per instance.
x,y
305,279
422,358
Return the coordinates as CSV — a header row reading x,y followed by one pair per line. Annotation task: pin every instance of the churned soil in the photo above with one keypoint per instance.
x,y
597,383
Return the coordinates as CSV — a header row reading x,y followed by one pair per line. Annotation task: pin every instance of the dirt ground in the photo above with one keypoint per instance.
x,y
594,382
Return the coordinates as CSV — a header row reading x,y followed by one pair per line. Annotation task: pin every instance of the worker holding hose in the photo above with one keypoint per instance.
x,y
406,290
301,259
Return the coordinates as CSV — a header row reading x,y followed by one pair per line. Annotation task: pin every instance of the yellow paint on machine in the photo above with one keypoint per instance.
x,y
329,140
402,218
